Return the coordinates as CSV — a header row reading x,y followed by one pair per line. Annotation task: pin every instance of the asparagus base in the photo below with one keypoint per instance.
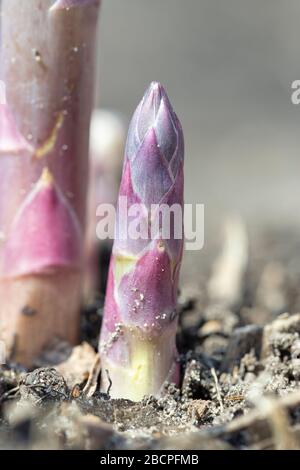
x,y
36,309
152,363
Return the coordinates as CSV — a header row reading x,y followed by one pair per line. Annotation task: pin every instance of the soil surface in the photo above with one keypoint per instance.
x,y
239,356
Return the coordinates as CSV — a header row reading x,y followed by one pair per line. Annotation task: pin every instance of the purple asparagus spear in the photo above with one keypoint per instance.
x,y
47,65
137,344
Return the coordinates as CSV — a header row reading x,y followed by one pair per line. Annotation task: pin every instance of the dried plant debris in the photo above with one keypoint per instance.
x,y
240,378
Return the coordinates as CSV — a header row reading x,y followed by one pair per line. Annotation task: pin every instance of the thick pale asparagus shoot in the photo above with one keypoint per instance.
x,y
137,344
47,65
107,142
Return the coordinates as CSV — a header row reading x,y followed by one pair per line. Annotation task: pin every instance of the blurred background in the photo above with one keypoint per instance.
x,y
227,67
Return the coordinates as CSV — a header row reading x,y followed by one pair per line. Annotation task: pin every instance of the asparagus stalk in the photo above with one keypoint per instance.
x,y
137,343
107,142
47,65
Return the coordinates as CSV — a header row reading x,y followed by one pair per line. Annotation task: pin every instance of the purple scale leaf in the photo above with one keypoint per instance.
x,y
150,175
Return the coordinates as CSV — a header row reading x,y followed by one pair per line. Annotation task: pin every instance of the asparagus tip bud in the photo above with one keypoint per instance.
x,y
137,341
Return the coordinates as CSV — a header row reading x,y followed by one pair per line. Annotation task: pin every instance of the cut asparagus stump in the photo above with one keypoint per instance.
x,y
47,66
